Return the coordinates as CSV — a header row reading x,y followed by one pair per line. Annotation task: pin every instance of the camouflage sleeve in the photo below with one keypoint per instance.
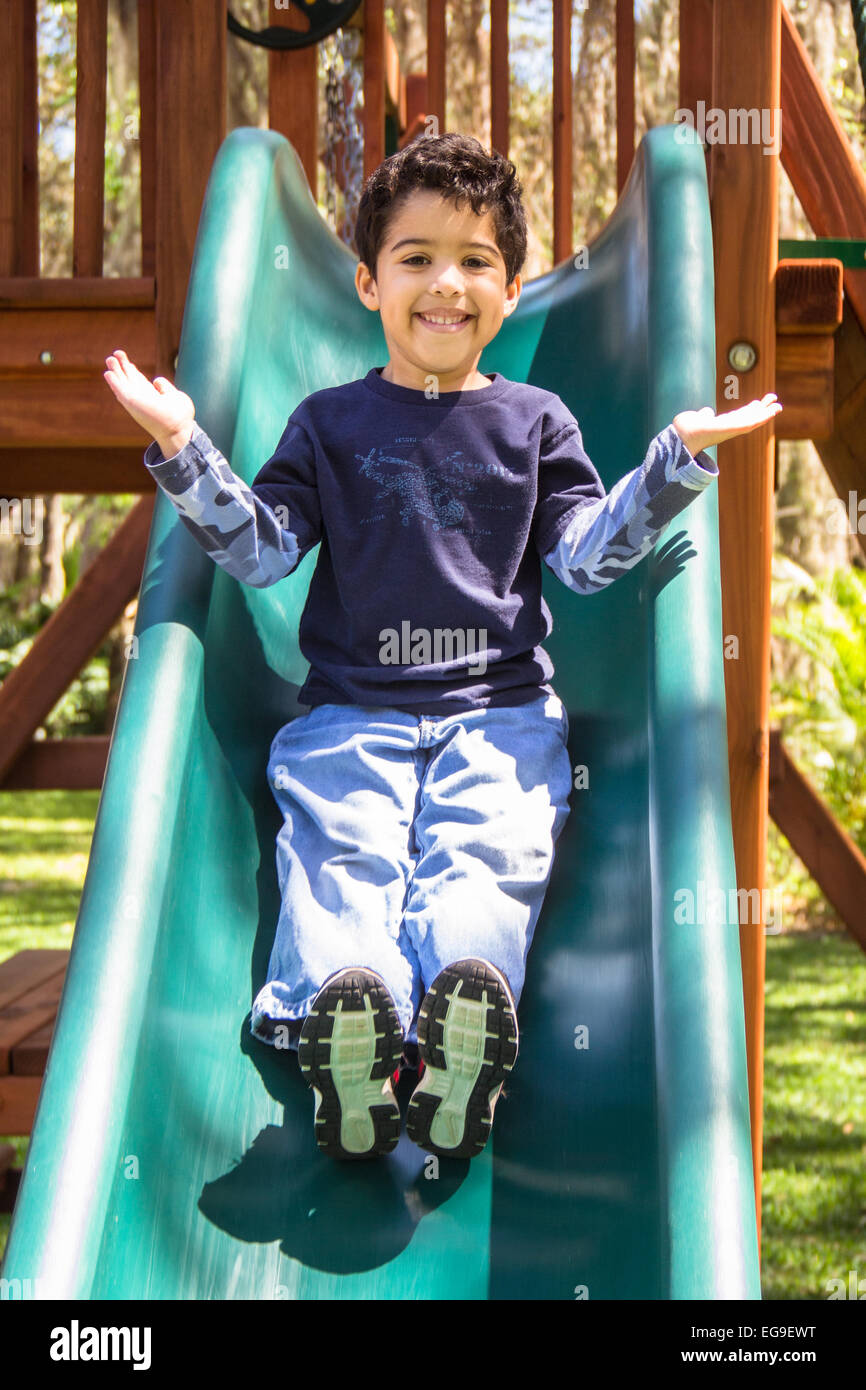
x,y
252,540
603,538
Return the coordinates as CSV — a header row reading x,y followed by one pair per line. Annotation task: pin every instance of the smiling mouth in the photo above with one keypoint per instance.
x,y
450,325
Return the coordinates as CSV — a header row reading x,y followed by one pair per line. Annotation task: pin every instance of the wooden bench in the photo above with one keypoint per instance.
x,y
30,986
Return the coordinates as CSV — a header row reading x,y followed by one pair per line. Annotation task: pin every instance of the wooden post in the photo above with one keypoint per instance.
x,y
374,85
624,90
499,71
744,186
190,127
563,138
88,218
436,62
293,94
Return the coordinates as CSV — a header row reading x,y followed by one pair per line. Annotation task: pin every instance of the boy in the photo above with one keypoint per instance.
x,y
425,789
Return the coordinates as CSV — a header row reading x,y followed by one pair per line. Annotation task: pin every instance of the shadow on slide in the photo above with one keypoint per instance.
x,y
173,1155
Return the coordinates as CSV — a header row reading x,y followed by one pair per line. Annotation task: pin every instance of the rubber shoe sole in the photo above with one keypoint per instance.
x,y
468,1041
349,1050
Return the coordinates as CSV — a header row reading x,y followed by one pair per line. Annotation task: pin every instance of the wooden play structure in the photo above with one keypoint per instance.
x,y
796,325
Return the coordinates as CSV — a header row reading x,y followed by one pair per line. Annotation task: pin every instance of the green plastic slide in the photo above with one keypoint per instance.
x,y
173,1155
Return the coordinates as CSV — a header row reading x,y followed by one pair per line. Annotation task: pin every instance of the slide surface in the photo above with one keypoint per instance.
x,y
173,1155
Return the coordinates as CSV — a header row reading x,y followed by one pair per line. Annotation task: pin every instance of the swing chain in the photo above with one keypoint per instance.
x,y
342,123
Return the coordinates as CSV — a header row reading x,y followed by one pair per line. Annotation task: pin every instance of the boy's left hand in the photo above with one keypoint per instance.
x,y
698,429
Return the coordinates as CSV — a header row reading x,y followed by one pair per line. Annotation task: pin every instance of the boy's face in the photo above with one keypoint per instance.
x,y
428,263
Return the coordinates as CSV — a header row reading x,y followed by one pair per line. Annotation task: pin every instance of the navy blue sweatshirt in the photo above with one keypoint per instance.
x,y
433,515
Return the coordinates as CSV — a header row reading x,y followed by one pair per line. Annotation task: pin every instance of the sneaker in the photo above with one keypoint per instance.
x,y
349,1051
467,1035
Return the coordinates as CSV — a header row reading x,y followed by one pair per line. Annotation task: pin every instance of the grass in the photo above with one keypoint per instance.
x,y
814,1188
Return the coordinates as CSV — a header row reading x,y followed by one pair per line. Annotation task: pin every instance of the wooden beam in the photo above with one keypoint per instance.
x,y
832,857
374,85
93,472
624,90
435,62
293,94
49,345
29,258
19,1096
191,126
85,292
744,181
33,417
844,453
808,312
563,133
73,632
59,764
12,117
804,385
88,218
147,131
499,77
808,296
818,158
696,54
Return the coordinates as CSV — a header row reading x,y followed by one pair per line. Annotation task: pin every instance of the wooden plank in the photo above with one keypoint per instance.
x,y
832,857
26,1014
499,77
91,50
374,85
147,87
29,258
78,340
85,292
624,90
844,453
60,764
11,139
94,472
9,1189
696,54
28,969
808,296
30,1056
818,158
744,184
804,385
293,103
34,418
435,61
73,632
19,1096
563,137
190,127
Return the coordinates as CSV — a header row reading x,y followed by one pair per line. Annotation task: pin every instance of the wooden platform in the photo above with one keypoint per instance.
x,y
30,986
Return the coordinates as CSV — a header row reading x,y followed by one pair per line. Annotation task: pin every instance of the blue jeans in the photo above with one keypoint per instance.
x,y
409,842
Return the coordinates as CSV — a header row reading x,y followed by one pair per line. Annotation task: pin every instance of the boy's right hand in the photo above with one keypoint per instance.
x,y
157,406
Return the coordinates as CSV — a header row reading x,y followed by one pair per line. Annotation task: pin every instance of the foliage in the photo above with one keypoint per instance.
x,y
82,707
818,700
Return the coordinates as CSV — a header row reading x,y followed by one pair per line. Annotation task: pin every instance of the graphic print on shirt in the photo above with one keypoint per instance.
x,y
429,490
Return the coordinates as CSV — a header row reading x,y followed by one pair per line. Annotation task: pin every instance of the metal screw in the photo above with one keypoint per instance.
x,y
46,357
742,356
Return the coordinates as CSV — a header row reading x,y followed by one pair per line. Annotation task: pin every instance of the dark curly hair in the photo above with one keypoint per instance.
x,y
458,167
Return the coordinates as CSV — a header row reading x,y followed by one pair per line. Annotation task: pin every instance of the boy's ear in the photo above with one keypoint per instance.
x,y
512,295
365,284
